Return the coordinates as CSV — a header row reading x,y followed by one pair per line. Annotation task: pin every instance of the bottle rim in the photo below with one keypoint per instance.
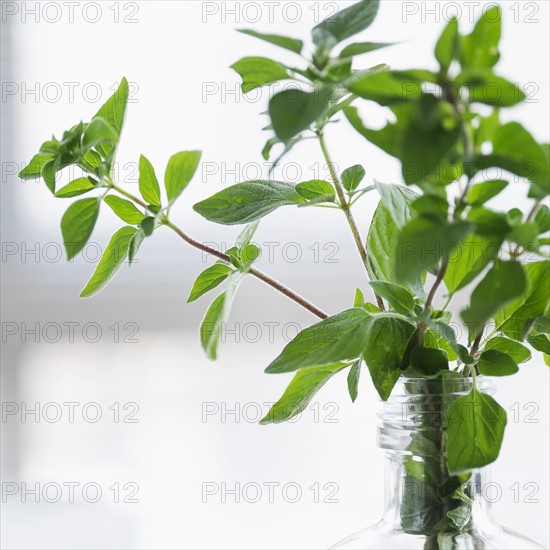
x,y
418,405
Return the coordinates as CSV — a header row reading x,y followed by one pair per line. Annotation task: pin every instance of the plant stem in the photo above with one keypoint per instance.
x,y
345,207
447,302
516,252
477,341
438,281
430,298
225,258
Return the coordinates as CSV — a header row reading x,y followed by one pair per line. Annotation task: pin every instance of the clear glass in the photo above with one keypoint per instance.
x,y
425,507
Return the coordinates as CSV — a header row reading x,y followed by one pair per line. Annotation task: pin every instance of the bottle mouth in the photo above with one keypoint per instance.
x,y
407,387
417,409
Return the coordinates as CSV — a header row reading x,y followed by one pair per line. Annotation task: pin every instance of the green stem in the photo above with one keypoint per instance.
x,y
516,252
477,341
295,297
429,300
447,302
345,207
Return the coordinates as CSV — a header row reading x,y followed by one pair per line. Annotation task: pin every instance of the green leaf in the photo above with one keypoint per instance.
x,y
92,162
77,187
525,235
541,342
489,223
469,259
216,316
147,225
399,298
285,42
33,170
342,337
49,172
99,131
113,111
381,240
363,47
475,430
124,209
381,243
179,172
259,71
247,201
77,225
387,138
515,150
270,143
440,335
464,355
385,346
299,393
514,350
353,380
69,149
460,517
385,87
429,361
111,261
352,177
315,189
135,245
504,282
480,193
431,206
345,23
50,147
424,136
487,128
542,219
427,140
249,254
516,318
496,363
423,242
485,87
235,256
514,216
359,300
446,48
480,48
209,279
419,75
211,326
397,199
148,182
542,323
293,110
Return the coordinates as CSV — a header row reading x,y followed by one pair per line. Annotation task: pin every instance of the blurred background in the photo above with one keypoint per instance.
x,y
116,431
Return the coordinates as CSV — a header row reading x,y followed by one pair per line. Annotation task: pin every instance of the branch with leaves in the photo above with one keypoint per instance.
x,y
435,230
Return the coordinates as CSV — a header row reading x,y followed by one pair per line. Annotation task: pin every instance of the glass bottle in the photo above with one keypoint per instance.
x,y
425,507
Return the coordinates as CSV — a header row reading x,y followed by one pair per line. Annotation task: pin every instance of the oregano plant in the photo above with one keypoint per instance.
x,y
431,236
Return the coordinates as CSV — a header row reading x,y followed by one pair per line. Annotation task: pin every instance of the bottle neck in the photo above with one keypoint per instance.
x,y
422,496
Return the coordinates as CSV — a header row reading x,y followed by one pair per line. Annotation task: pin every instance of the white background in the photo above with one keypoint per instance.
x,y
173,52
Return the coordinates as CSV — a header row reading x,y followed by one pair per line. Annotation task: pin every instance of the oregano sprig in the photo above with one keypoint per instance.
x,y
435,230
